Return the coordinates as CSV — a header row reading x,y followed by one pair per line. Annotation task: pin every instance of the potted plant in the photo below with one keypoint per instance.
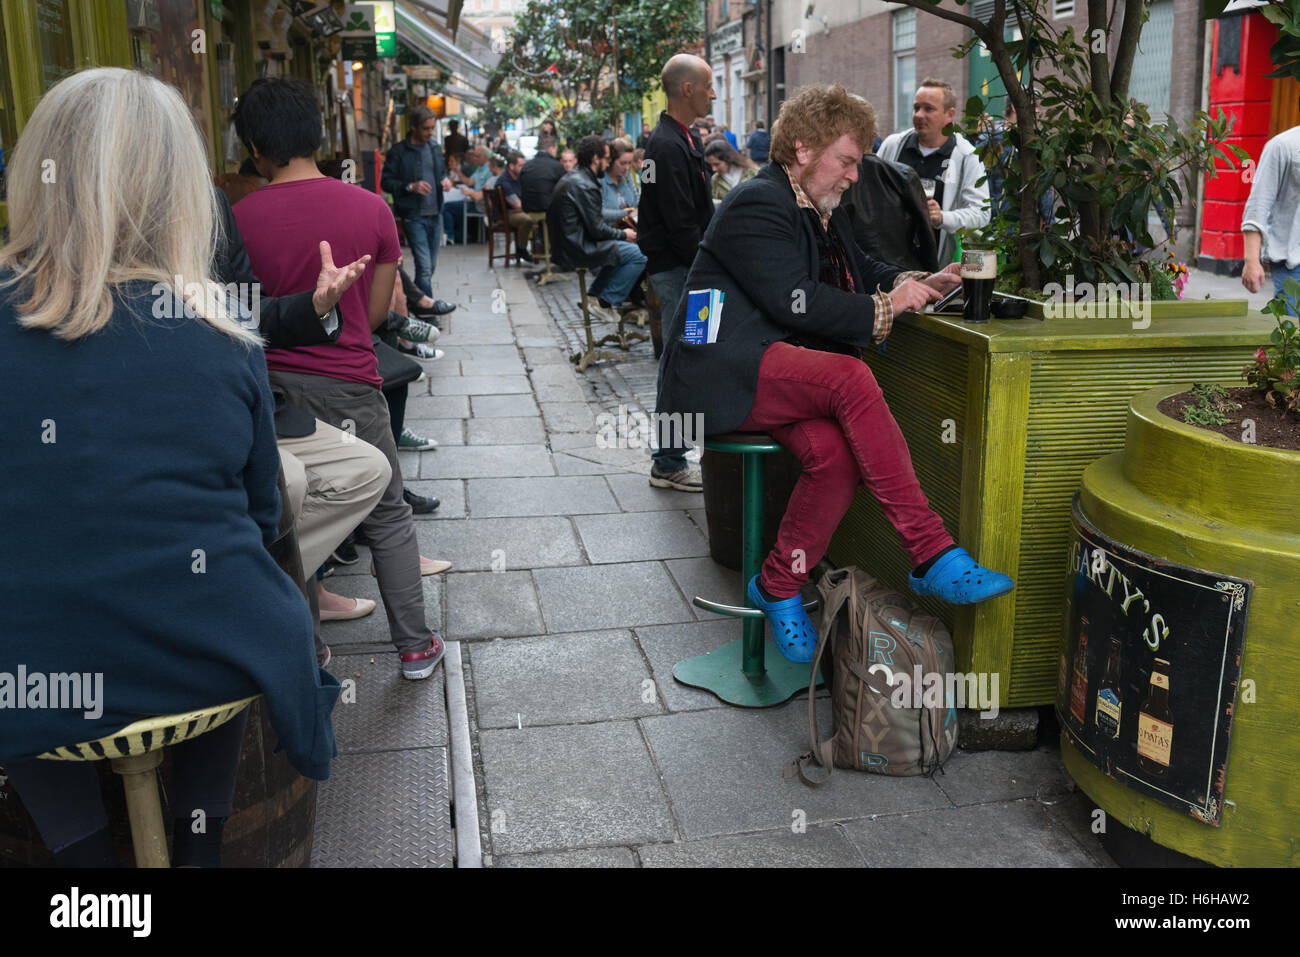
x,y
1206,483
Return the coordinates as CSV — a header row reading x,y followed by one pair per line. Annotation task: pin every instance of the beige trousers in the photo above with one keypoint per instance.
x,y
334,480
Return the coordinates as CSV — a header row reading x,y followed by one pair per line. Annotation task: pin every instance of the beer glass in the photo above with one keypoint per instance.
x,y
979,270
927,187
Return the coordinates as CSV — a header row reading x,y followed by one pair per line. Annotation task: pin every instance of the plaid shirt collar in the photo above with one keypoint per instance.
x,y
801,198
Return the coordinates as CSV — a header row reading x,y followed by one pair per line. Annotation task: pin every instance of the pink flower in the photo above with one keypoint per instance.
x,y
1261,355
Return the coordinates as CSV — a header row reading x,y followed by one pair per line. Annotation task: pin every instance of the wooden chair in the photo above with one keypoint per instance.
x,y
498,221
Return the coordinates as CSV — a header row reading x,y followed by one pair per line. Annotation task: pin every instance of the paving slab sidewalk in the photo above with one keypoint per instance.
x,y
570,598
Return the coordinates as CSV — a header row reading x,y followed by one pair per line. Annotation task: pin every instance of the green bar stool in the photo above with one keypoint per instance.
x,y
739,672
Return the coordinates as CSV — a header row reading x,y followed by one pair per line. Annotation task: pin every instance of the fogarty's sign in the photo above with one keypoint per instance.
x,y
1149,668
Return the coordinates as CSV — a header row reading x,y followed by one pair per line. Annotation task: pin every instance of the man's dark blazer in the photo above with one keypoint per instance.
x,y
284,321
761,251
402,167
675,205
537,182
579,234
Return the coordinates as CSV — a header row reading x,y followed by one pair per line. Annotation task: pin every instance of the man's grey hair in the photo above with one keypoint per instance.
x,y
419,116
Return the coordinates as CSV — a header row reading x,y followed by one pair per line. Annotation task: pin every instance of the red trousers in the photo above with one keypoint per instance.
x,y
828,410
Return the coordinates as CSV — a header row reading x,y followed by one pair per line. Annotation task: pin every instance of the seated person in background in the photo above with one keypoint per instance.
x,y
581,237
109,374
890,217
787,359
638,159
278,119
496,166
453,204
511,189
539,175
618,193
729,167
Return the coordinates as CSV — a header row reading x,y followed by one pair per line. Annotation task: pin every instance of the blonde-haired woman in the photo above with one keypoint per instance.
x,y
139,432
730,169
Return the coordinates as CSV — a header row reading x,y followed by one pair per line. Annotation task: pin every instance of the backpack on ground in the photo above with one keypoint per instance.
x,y
878,636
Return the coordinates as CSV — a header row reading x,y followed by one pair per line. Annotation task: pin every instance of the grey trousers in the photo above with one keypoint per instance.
x,y
360,410
669,286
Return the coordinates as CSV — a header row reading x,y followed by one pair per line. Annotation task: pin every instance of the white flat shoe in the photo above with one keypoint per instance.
x,y
428,566
360,608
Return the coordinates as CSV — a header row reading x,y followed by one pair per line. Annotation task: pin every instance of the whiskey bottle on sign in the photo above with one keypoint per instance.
x,y
1156,724
1079,682
1109,695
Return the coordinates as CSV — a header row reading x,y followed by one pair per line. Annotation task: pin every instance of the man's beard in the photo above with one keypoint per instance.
x,y
826,203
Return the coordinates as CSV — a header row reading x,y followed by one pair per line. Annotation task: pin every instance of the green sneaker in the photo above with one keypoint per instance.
x,y
410,442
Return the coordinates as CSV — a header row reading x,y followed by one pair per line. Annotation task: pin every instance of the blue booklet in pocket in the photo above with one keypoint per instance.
x,y
703,315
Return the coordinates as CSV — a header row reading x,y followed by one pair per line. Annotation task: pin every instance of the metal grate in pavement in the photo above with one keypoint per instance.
x,y
390,809
389,711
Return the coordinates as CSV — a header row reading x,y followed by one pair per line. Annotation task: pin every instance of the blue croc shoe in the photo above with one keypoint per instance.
x,y
957,578
794,634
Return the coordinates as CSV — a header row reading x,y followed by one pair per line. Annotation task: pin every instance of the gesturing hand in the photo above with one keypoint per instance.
x,y
333,281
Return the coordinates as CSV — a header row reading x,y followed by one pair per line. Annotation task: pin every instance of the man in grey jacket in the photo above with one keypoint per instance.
x,y
960,201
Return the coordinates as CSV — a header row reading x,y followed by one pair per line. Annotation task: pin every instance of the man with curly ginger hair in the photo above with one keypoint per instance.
x,y
802,300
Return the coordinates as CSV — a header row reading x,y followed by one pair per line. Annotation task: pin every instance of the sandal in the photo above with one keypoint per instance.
x,y
957,578
793,633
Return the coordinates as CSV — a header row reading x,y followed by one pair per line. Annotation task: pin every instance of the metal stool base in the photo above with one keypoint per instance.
x,y
720,672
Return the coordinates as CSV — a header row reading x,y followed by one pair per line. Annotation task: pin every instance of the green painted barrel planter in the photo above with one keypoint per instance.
x,y
1195,498
1001,420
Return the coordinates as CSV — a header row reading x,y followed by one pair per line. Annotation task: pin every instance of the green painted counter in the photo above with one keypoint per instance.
x,y
1001,419
1193,497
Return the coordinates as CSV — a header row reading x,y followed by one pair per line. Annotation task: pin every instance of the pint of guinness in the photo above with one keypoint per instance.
x,y
979,270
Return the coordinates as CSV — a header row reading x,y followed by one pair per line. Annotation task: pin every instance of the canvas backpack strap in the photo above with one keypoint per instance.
x,y
833,598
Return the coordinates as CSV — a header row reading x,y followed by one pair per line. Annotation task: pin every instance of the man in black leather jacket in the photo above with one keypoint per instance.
x,y
581,237
891,222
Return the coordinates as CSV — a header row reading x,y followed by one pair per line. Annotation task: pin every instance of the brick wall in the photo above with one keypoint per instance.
x,y
860,55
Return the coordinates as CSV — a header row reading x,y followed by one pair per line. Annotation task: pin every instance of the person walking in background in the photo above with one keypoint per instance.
x,y
278,120
674,211
729,168
454,144
948,165
1270,222
758,143
414,172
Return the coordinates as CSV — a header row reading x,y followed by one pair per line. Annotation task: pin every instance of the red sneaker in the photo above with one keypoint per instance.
x,y
420,664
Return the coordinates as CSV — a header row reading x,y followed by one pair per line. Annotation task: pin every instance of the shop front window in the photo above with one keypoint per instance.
x,y
58,58
162,45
